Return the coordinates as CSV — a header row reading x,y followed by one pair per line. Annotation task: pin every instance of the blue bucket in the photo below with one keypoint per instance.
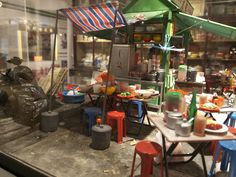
x,y
80,98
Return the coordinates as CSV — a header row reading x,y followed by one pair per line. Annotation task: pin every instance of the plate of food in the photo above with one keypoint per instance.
x,y
126,95
214,127
146,93
211,107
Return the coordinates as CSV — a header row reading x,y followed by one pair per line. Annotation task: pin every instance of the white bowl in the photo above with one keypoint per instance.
x,y
143,93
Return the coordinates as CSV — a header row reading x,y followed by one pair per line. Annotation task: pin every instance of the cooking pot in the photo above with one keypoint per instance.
x,y
172,118
160,75
191,75
152,75
183,128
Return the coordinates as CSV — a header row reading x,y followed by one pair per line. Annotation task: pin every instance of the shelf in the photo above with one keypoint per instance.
x,y
211,59
96,41
147,43
147,32
213,41
135,79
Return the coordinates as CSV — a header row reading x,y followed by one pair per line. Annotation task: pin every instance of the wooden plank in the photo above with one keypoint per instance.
x,y
10,127
43,143
45,82
14,134
23,142
59,81
2,120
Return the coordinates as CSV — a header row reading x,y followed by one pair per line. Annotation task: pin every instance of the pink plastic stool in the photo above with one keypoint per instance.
x,y
119,117
147,151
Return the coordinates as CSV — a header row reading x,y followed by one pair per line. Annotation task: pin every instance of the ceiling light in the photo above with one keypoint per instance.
x,y
0,4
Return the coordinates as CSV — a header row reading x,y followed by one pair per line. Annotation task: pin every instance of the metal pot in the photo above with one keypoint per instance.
x,y
152,75
183,128
160,75
172,118
191,75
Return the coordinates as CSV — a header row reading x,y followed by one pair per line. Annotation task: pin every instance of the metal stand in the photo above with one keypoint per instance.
x,y
109,65
53,61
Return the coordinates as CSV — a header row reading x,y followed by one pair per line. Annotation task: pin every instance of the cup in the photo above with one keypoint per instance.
x,y
221,101
203,99
138,86
132,88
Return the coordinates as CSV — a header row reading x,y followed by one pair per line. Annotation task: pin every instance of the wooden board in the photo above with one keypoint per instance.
x,y
59,75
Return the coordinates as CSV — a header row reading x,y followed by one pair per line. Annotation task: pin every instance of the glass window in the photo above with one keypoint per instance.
x,y
27,31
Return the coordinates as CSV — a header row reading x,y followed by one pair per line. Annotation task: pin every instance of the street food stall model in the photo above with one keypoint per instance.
x,y
170,13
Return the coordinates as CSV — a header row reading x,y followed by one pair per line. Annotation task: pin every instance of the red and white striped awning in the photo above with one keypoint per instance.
x,y
94,18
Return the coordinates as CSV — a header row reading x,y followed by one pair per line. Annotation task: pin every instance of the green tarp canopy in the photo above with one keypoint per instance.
x,y
154,9
185,21
137,6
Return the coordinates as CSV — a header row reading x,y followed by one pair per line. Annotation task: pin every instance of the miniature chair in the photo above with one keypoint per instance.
x,y
139,108
91,114
147,151
232,120
119,117
229,156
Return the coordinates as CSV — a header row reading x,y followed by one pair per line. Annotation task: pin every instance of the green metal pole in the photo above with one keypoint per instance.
x,y
186,44
168,32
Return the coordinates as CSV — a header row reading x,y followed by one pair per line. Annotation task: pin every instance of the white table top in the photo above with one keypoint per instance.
x,y
227,109
157,120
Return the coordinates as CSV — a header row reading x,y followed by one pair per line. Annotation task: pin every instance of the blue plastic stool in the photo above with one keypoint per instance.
x,y
139,105
91,113
229,156
232,120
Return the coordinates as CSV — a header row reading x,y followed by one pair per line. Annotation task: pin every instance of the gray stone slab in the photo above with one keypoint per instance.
x,y
4,173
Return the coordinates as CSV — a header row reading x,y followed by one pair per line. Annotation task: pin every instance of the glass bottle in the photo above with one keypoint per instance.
x,y
192,109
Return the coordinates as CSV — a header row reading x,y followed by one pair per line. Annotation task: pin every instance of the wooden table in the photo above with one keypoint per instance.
x,y
144,112
168,134
99,96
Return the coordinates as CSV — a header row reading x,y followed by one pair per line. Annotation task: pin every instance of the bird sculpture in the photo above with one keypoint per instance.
x,y
15,60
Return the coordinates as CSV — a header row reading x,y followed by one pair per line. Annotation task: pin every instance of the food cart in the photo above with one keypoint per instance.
x,y
175,20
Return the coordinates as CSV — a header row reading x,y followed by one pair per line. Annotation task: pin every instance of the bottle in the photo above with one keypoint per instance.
x,y
192,109
199,124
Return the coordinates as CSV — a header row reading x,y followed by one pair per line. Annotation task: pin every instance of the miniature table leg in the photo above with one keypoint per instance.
x,y
94,102
145,114
199,149
165,156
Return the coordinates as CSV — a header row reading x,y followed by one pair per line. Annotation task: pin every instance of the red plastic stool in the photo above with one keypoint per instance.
x,y
119,117
147,151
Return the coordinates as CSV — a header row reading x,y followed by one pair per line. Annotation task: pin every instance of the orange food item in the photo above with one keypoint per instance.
x,y
214,126
104,77
179,91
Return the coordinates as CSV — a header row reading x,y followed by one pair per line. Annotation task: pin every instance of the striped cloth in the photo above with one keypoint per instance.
x,y
94,18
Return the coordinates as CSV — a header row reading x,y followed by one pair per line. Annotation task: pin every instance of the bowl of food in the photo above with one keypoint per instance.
x,y
73,96
143,93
